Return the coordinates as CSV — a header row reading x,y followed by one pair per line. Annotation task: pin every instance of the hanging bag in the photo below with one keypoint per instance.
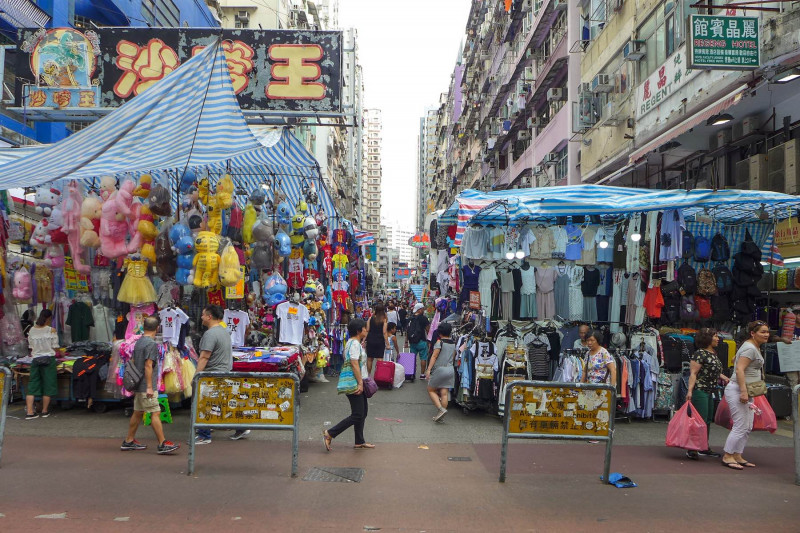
x,y
720,250
347,380
687,429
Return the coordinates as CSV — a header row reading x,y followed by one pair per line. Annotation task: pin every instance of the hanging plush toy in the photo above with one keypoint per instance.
x,y
230,272
148,232
224,194
54,256
47,197
23,287
301,208
183,244
275,289
249,220
297,230
55,226
73,206
262,256
234,229
144,187
310,249
284,213
91,212
108,186
283,244
206,260
135,243
114,222
40,238
165,256
159,201
187,180
310,194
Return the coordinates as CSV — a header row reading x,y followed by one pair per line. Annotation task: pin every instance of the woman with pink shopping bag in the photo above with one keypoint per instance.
x,y
687,429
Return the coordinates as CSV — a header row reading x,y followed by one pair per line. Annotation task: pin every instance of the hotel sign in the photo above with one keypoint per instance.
x,y
723,42
664,82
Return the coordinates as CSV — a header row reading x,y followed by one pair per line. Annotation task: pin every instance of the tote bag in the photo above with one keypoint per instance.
x,y
347,380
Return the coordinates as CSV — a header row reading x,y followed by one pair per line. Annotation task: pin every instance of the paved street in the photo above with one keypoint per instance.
x,y
408,483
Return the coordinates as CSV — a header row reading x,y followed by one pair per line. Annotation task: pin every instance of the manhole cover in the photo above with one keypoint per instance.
x,y
333,474
459,458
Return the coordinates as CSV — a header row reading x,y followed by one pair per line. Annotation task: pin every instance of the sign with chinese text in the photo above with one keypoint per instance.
x,y
662,83
251,400
787,237
474,300
559,410
279,70
73,280
724,42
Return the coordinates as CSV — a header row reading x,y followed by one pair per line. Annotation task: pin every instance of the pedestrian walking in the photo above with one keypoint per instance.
x,y
706,372
441,374
216,355
43,379
377,340
418,327
402,316
145,400
356,359
391,313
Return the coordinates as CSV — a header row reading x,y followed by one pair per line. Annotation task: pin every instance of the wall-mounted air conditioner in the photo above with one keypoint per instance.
x,y
602,83
751,173
551,158
747,126
782,165
634,50
555,95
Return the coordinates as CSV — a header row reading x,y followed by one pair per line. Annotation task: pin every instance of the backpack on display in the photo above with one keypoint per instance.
x,y
706,283
721,308
664,395
687,278
688,308
671,312
723,279
720,250
703,306
688,244
702,249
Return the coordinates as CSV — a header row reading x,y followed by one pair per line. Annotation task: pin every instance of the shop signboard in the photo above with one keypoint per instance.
x,y
787,237
474,300
664,82
560,411
74,281
724,42
277,70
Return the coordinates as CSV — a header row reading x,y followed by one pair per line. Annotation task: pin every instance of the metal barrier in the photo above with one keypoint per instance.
x,y
245,400
559,411
5,396
796,427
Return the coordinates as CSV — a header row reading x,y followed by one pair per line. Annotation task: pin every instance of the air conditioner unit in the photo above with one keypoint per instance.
x,y
243,16
585,87
528,74
747,126
551,159
523,135
782,165
554,95
720,139
539,169
534,122
633,50
484,56
559,5
602,83
751,173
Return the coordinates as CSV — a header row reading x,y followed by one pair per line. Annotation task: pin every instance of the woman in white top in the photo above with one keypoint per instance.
x,y
391,314
43,381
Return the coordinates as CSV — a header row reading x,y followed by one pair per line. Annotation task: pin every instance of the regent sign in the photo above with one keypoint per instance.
x,y
270,69
664,82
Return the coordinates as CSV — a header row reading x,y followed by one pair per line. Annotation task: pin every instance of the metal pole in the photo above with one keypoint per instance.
x,y
796,424
295,426
504,445
5,394
195,393
610,441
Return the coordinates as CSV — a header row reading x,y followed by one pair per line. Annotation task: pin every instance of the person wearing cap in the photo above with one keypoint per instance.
x,y
417,337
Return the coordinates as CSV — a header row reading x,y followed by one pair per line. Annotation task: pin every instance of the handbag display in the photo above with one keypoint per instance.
x,y
370,387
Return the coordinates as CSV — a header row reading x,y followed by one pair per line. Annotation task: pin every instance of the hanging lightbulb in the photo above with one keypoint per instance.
x,y
603,243
520,254
509,255
636,237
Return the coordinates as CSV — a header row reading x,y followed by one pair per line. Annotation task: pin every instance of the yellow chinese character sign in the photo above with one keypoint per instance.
x,y
245,400
559,410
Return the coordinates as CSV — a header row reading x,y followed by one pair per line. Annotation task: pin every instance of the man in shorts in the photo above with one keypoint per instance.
x,y
418,337
145,358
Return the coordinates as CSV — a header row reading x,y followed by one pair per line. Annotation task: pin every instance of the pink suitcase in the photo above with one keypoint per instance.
x,y
384,374
409,362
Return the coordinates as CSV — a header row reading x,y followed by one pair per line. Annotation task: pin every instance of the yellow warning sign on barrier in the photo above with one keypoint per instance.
x,y
559,410
230,400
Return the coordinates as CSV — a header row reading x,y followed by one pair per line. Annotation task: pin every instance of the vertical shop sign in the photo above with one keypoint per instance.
x,y
664,82
724,42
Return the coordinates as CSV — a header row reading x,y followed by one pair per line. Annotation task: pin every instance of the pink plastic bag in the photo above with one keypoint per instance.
x,y
687,430
723,416
764,419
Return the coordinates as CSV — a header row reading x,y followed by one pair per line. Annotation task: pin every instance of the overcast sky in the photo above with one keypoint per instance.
x,y
408,51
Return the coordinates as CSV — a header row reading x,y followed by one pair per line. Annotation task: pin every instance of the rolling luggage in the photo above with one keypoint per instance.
x,y
409,362
384,374
780,399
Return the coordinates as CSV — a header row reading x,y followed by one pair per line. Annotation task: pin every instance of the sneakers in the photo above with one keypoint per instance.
x,y
31,417
440,414
45,414
167,447
240,434
693,455
708,453
133,445
201,440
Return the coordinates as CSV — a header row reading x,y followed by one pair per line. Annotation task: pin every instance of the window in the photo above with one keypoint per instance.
x,y
562,166
662,33
242,25
161,13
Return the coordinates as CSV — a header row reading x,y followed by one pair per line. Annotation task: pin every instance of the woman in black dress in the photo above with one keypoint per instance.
x,y
377,338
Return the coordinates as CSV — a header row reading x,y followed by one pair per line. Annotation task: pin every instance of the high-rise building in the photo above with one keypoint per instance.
x,y
372,175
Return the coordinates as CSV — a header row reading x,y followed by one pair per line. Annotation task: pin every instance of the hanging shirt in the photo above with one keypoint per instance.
x,y
136,317
496,242
542,246
237,322
474,243
671,237
604,255
559,242
80,319
171,321
295,278
526,239
340,261
589,253
653,302
293,319
574,246
528,280
471,275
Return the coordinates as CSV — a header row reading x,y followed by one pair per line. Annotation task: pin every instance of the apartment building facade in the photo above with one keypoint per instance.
x,y
372,174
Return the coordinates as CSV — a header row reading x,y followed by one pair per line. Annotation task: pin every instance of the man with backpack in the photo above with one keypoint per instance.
x,y
144,361
417,337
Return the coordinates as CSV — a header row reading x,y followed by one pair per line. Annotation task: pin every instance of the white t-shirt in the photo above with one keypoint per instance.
x,y
172,319
42,341
237,322
293,318
356,353
391,316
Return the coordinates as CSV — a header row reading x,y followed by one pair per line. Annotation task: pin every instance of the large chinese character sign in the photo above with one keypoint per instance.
x,y
270,69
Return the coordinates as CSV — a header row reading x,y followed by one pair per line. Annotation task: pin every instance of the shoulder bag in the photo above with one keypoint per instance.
x,y
756,388
347,380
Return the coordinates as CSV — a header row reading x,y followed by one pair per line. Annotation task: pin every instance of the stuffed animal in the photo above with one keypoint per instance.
x,y
145,186
310,249
206,260
108,185
297,230
284,213
54,256
187,180
55,226
262,256
230,272
310,194
148,232
283,244
320,218
262,232
310,228
234,229
40,238
301,208
275,289
182,244
165,256
91,211
257,198
249,220
203,191
23,286
224,194
73,206
214,219
114,222
159,201
47,197
310,286
135,243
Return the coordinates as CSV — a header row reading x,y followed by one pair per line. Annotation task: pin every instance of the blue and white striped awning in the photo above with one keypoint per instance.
x,y
23,14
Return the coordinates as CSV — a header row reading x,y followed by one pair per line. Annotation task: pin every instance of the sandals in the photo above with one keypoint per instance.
x,y
733,465
748,464
327,440
365,446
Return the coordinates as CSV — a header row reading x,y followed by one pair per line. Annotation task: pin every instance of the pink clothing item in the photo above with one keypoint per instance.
x,y
136,318
434,325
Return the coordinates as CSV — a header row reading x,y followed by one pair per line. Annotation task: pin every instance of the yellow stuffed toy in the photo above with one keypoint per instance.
x,y
224,195
250,218
298,236
230,272
147,229
145,186
206,260
222,199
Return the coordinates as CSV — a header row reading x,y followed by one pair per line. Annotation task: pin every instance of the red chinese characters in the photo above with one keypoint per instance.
x,y
143,66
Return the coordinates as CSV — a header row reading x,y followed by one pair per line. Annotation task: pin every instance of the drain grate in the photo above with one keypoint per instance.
x,y
333,474
459,458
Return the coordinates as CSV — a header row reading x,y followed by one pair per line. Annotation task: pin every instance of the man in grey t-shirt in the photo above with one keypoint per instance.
x,y
216,355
